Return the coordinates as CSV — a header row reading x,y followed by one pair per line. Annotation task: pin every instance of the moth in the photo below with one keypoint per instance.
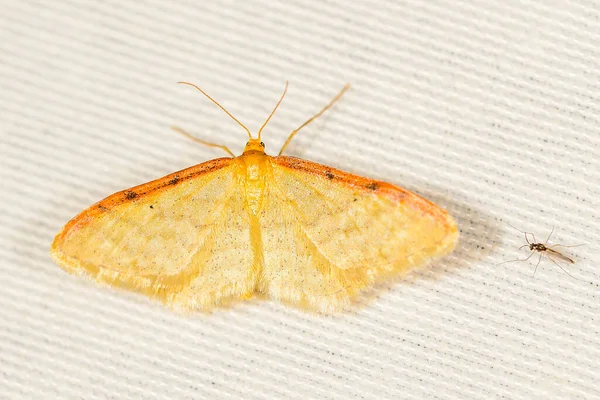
x,y
236,227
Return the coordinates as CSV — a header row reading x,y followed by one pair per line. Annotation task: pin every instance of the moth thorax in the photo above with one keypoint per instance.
x,y
257,172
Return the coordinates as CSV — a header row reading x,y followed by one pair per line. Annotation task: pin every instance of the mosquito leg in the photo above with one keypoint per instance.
x,y
551,232
559,266
536,265
514,227
504,262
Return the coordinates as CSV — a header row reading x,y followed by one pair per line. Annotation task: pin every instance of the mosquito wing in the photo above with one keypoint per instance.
x,y
559,256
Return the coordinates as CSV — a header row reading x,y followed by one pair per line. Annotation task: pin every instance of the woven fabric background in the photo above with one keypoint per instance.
x,y
490,109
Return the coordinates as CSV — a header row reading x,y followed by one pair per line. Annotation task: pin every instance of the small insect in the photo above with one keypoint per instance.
x,y
544,250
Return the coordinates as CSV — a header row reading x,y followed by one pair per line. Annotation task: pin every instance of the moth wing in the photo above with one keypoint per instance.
x,y
328,234
183,239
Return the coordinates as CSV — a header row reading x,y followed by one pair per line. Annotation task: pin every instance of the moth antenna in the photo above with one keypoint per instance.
x,y
328,106
220,106
273,112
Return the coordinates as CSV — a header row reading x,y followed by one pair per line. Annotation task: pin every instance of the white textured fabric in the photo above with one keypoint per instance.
x,y
490,109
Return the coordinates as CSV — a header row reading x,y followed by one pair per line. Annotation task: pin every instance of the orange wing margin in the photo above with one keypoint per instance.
x,y
143,190
388,190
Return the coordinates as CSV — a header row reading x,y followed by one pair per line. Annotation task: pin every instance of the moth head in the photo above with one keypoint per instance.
x,y
254,145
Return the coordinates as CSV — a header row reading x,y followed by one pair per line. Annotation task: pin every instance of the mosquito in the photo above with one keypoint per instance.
x,y
544,250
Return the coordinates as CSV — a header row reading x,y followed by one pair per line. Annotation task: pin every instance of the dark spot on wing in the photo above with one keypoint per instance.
x,y
174,180
151,206
372,186
130,195
329,175
102,208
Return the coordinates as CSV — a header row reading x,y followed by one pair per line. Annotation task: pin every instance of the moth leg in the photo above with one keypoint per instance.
x,y
195,139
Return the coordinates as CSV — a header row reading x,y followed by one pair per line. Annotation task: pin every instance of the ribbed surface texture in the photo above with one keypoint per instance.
x,y
489,109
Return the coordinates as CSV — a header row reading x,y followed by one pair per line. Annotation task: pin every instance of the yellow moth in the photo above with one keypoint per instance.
x,y
232,228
